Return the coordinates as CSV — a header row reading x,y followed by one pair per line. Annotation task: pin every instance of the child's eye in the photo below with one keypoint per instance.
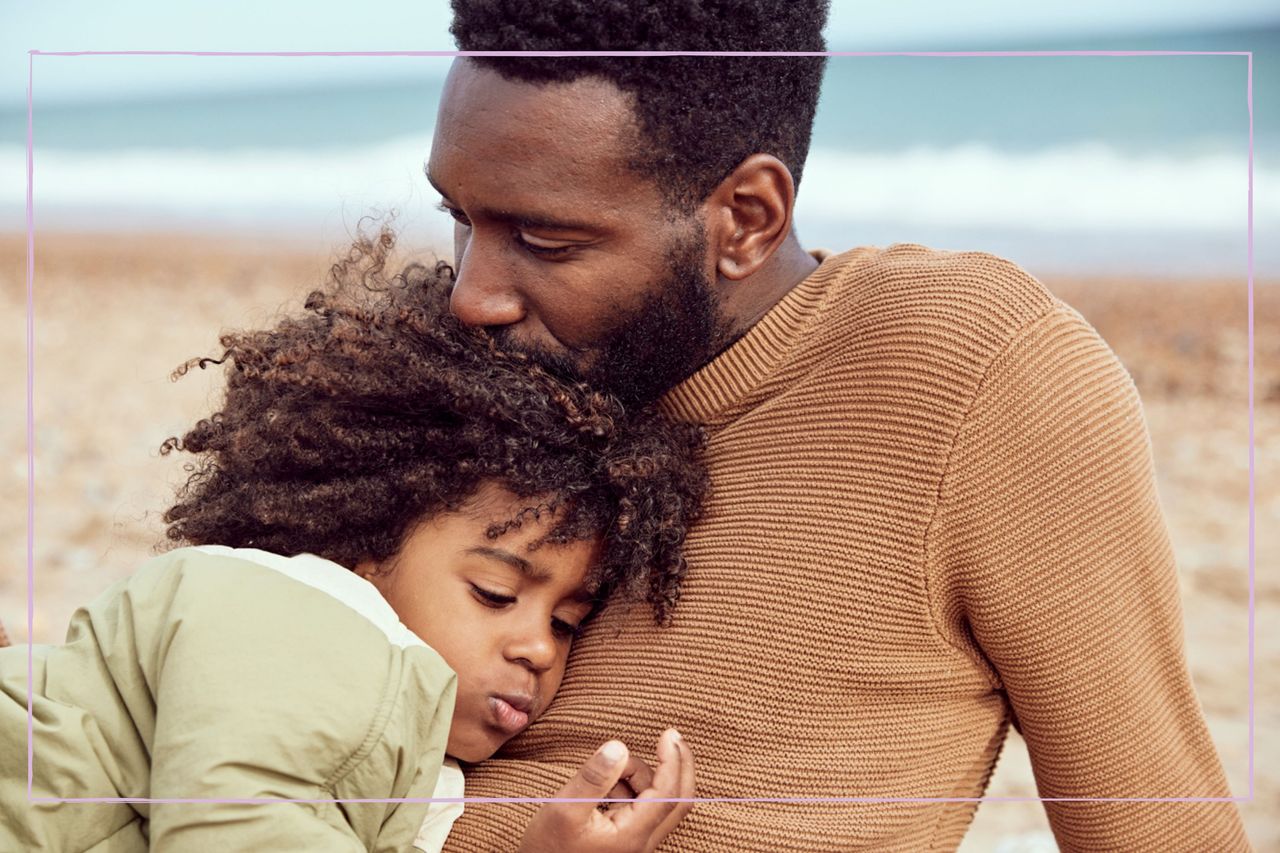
x,y
564,630
490,598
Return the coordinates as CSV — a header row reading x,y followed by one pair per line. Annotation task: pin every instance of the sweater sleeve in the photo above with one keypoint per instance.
x,y
1050,564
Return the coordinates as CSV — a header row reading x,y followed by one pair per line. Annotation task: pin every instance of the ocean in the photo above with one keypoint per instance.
x,y
1112,165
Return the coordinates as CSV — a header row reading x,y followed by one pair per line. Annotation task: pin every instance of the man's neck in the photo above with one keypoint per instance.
x,y
745,302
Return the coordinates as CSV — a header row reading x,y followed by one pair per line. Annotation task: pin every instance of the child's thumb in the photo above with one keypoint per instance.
x,y
598,774
557,821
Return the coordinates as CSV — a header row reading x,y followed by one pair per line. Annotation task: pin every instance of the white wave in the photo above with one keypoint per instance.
x,y
288,189
1081,188
1088,187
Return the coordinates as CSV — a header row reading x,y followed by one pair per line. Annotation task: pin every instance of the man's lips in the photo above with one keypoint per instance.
x,y
510,711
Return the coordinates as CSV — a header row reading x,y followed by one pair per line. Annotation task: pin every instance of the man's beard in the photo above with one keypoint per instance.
x,y
675,331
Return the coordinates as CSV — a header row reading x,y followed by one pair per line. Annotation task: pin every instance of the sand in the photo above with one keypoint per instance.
x,y
115,315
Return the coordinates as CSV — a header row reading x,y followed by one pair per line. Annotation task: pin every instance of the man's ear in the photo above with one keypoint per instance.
x,y
749,215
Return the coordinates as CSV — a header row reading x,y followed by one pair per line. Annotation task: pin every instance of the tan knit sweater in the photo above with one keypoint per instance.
x,y
933,515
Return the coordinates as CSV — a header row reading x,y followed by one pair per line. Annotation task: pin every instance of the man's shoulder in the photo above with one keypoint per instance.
x,y
929,300
907,274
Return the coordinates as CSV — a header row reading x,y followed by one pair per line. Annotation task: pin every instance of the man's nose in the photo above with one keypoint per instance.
x,y
483,293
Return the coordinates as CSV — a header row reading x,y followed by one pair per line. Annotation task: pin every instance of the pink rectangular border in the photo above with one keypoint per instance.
x,y
30,222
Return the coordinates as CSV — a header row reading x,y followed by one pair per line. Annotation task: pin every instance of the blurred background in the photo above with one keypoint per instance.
x,y
1080,164
178,195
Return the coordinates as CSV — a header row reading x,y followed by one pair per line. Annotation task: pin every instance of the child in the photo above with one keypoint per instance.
x,y
393,533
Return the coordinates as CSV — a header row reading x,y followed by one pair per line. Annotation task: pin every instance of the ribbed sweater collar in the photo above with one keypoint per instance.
x,y
720,385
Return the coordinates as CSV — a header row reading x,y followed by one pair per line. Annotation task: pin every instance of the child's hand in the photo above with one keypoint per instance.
x,y
627,827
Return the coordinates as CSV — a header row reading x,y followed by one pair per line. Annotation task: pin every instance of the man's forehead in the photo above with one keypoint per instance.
x,y
576,131
584,103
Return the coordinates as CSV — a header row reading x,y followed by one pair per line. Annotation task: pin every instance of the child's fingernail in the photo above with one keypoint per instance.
x,y
613,751
675,736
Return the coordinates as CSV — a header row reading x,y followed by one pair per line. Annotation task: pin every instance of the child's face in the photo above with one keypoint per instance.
x,y
502,616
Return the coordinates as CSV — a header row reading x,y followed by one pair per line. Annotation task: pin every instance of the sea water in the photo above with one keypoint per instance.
x,y
1098,164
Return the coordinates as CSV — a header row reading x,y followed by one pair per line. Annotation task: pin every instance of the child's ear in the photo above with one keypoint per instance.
x,y
369,570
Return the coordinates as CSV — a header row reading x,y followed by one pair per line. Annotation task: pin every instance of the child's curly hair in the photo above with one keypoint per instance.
x,y
344,426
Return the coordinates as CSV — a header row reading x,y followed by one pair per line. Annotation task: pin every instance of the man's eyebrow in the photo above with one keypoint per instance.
x,y
522,220
426,170
537,221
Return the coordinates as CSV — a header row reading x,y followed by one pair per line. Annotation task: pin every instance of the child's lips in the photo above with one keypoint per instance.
x,y
510,712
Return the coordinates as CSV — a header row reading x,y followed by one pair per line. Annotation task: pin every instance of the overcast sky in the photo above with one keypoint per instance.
x,y
291,25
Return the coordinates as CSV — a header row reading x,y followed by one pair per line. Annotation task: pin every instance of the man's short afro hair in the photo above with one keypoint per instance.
x,y
699,116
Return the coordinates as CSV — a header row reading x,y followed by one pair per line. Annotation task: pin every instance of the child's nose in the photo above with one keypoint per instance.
x,y
534,648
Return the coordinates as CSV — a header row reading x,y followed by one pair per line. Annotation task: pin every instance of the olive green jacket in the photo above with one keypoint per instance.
x,y
215,673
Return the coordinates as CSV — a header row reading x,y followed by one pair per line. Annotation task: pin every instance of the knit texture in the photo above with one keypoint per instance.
x,y
933,515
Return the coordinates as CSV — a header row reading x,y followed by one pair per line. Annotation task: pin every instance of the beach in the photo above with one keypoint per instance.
x,y
114,315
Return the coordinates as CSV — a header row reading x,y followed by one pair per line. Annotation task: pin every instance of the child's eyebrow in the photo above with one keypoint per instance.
x,y
524,567
520,564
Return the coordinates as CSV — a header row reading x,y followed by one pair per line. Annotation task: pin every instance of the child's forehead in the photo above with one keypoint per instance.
x,y
493,502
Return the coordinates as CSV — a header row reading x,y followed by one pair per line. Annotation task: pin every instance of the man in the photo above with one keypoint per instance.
x,y
933,509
